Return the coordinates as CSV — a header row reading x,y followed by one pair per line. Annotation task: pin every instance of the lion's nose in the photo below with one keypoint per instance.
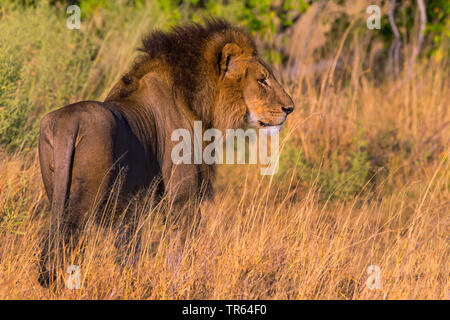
x,y
288,109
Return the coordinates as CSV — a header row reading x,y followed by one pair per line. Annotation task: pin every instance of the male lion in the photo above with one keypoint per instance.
x,y
209,73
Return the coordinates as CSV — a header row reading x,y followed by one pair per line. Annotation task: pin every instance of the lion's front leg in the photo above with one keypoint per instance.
x,y
181,183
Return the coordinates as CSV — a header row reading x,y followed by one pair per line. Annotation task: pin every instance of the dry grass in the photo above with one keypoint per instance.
x,y
280,237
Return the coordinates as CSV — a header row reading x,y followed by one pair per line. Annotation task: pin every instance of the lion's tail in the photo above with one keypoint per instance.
x,y
63,150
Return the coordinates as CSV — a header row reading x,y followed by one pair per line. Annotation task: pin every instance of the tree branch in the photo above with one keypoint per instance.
x,y
423,22
397,43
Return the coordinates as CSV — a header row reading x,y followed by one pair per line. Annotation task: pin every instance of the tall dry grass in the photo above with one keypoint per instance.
x,y
306,232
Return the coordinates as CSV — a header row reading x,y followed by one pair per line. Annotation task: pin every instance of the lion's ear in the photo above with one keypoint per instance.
x,y
227,65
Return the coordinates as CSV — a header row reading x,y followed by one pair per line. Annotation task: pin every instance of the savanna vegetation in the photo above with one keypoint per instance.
x,y
363,175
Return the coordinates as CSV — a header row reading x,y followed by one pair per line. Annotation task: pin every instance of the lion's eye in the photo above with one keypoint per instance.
x,y
263,81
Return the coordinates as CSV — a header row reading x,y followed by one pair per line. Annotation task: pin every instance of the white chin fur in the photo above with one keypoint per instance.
x,y
271,130
253,121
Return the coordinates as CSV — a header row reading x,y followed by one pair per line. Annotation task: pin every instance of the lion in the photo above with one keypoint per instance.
x,y
210,73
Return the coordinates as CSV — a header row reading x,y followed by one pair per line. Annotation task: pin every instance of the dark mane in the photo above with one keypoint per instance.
x,y
182,43
183,49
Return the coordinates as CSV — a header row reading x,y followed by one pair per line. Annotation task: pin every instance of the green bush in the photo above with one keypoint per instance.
x,y
42,65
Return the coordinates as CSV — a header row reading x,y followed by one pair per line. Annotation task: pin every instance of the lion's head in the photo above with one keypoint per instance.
x,y
258,97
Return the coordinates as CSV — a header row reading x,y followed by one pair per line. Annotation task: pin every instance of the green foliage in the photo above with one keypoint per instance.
x,y
268,17
12,117
14,206
44,65
438,26
258,16
39,70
